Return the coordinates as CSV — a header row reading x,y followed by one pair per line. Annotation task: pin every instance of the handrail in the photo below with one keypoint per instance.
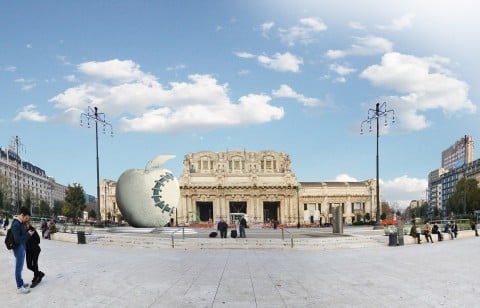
x,y
173,236
291,236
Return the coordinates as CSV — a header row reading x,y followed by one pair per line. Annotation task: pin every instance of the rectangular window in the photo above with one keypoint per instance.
x,y
269,164
204,165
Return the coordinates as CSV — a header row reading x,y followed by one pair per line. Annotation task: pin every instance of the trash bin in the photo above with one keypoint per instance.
x,y
392,239
81,237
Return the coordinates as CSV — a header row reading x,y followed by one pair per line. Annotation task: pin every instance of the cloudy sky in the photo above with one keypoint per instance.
x,y
174,77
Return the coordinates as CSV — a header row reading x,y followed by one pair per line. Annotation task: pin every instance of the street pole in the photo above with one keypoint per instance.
x,y
92,114
16,144
374,115
465,176
298,208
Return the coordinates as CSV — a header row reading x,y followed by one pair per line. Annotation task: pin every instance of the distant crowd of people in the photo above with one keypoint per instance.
x,y
222,227
451,228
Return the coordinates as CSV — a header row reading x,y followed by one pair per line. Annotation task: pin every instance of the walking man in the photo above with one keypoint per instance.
x,y
243,225
21,236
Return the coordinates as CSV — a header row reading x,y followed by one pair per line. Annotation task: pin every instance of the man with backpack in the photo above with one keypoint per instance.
x,y
21,236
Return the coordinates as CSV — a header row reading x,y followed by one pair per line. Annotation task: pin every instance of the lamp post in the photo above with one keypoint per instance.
x,y
465,176
374,115
298,208
92,114
16,145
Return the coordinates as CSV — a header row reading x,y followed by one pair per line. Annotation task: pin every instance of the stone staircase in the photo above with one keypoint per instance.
x,y
162,242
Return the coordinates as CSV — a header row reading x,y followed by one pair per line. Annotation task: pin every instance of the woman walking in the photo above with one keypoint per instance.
x,y
32,254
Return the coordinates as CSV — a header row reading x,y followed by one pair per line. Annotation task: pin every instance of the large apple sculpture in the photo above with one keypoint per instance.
x,y
147,197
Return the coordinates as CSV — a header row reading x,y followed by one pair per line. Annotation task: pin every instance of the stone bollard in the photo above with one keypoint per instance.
x,y
337,220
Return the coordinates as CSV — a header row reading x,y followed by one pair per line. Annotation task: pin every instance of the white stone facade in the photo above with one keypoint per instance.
x,y
261,184
31,181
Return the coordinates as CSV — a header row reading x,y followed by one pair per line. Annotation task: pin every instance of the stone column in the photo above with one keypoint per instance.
x,y
337,220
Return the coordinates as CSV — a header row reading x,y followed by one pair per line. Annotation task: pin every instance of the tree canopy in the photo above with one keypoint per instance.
x,y
74,201
466,197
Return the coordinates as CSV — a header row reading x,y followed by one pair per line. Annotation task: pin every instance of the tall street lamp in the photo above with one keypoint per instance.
x,y
298,207
374,115
16,145
92,114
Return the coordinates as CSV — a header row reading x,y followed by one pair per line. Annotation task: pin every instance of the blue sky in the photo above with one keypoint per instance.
x,y
174,77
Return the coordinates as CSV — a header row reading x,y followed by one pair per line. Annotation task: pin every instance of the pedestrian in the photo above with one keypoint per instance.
x,y
448,229
222,227
474,228
44,227
20,236
415,233
50,229
436,230
32,253
243,225
428,232
5,223
455,229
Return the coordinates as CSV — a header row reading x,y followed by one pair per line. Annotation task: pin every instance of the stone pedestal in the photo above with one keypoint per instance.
x,y
337,220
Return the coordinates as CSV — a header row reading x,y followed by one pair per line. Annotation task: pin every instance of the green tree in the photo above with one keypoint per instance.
x,y
57,207
466,197
44,209
74,201
92,214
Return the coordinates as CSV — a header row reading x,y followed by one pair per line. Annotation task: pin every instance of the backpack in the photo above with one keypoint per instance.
x,y
9,240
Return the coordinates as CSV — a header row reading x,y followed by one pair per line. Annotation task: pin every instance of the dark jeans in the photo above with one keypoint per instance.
x,y
223,233
428,236
417,236
242,231
32,260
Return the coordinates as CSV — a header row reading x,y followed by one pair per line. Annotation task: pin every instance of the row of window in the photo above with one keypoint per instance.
x,y
235,163
355,206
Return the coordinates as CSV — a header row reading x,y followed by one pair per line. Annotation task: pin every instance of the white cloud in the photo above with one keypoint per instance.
x,y
71,78
10,69
422,84
63,59
345,178
285,62
286,91
30,113
114,71
177,67
364,46
29,46
398,24
266,27
402,190
341,70
340,80
245,55
304,32
27,84
252,109
356,25
121,89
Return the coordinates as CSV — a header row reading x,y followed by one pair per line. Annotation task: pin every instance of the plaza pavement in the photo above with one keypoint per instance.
x,y
337,274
